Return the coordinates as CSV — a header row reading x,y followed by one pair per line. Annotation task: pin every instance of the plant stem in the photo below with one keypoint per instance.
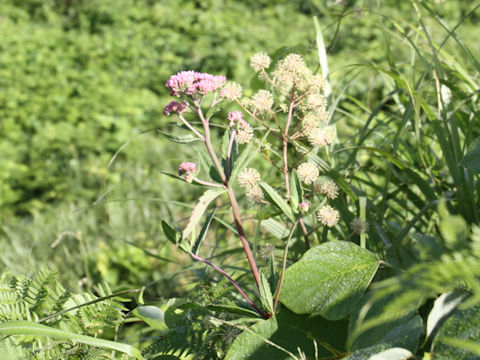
x,y
243,238
229,155
305,233
208,144
284,265
231,196
234,283
285,144
363,216
188,125
207,183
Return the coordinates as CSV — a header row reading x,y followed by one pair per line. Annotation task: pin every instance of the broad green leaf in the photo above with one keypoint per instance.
x,y
298,331
182,139
266,293
395,353
366,353
329,279
471,160
199,209
277,200
443,306
296,190
153,316
462,326
249,342
29,328
203,232
471,346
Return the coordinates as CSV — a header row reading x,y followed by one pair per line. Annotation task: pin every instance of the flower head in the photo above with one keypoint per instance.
x,y
244,132
262,101
315,101
234,117
308,172
248,178
304,206
188,169
328,216
291,71
255,194
359,226
259,61
231,91
266,251
327,188
321,136
191,83
175,107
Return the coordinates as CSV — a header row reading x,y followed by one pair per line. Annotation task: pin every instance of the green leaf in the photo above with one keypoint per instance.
x,y
275,228
366,353
296,190
298,331
153,316
462,326
329,279
233,309
249,342
443,306
395,353
183,139
453,228
217,108
170,233
471,160
268,211
199,209
203,232
277,200
266,293
403,332
29,328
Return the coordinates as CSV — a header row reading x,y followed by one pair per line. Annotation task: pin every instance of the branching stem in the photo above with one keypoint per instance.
x,y
234,283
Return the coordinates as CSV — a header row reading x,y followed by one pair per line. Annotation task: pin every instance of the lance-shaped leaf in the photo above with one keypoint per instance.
x,y
199,209
203,232
266,293
296,190
329,279
471,160
277,200
30,328
182,139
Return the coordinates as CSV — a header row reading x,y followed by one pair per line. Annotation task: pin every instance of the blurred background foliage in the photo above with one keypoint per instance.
x,y
82,93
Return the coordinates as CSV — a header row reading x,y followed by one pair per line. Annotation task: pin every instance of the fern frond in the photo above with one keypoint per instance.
x,y
42,297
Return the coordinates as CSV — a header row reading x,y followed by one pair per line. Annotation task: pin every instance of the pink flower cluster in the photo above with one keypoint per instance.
x,y
188,169
191,83
234,117
175,107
